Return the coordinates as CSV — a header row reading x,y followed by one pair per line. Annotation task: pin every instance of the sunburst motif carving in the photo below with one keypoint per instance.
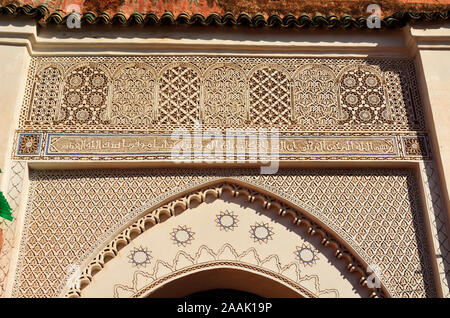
x,y
140,257
182,236
261,232
307,254
227,220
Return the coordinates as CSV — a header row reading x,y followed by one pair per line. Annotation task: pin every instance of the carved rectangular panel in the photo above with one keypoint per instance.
x,y
347,99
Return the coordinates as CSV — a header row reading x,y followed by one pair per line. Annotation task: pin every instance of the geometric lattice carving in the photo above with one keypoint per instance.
x,y
134,96
294,94
46,95
362,97
84,97
401,101
382,213
270,97
179,95
439,222
315,96
225,96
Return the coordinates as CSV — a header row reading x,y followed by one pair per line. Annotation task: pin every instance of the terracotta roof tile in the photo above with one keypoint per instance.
x,y
250,12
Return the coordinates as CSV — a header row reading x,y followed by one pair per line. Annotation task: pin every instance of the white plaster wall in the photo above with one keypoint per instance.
x,y
436,71
14,61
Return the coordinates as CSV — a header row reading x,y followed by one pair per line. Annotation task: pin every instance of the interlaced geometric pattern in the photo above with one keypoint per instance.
x,y
84,97
225,97
270,97
46,94
70,212
134,96
294,94
362,98
179,96
315,96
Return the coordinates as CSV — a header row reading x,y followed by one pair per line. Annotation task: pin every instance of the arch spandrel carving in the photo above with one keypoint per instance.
x,y
304,254
315,96
85,96
270,95
110,201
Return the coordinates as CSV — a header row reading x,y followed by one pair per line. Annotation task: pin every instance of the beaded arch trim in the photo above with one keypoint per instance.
x,y
146,290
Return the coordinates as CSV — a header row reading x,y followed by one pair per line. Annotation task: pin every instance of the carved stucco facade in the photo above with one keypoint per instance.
x,y
86,141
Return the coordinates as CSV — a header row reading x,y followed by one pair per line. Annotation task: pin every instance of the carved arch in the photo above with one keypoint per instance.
x,y
178,94
133,101
214,189
224,96
315,95
47,91
270,95
362,96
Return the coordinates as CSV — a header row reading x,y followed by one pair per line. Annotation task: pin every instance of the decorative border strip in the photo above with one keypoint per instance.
x,y
158,146
438,219
92,142
143,292
396,20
